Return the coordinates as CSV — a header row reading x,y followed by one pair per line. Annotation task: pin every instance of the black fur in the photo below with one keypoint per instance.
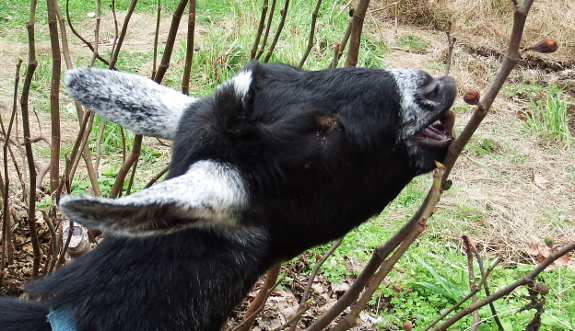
x,y
319,152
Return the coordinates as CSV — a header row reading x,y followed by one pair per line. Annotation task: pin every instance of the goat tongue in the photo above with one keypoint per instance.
x,y
448,121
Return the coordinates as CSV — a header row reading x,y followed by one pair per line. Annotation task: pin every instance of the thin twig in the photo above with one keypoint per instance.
x,y
467,297
86,152
259,301
132,178
304,298
86,42
450,44
96,51
311,34
156,40
261,26
116,30
470,271
168,49
341,46
268,27
5,182
296,317
114,56
80,143
158,176
508,289
283,14
486,285
189,48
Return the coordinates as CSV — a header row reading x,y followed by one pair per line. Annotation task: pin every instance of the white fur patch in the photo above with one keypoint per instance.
x,y
209,193
409,84
132,101
242,82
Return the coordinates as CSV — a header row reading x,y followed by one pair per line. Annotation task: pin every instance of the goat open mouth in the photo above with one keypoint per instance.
x,y
439,132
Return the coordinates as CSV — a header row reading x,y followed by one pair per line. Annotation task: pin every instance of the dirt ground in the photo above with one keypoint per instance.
x,y
523,188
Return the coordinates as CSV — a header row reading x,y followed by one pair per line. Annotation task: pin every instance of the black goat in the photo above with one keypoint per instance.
x,y
276,161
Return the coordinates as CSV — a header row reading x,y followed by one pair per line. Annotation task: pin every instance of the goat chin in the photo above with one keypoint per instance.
x,y
275,161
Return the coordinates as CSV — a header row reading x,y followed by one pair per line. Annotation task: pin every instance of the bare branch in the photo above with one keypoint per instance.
x,y
261,26
338,52
54,95
189,48
472,293
95,52
304,298
379,255
355,36
509,61
118,46
427,209
471,273
259,301
158,176
450,44
86,152
32,65
283,14
156,39
508,289
266,34
165,62
311,34
77,34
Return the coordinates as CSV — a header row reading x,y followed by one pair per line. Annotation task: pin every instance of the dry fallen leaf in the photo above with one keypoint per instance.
x,y
540,181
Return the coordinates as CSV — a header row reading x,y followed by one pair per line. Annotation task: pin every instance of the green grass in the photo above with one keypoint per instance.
x,y
432,275
549,117
414,42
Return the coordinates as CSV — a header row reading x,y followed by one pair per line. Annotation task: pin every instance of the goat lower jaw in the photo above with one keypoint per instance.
x,y
439,133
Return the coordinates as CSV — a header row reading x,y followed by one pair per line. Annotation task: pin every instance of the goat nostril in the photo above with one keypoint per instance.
x,y
431,91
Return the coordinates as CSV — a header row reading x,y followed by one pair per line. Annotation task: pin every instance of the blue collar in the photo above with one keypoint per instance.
x,y
61,320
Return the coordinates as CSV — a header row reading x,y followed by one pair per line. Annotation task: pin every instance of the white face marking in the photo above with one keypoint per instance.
x,y
132,101
408,83
242,82
209,193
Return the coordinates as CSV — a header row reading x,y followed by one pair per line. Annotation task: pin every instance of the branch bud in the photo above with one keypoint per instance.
x,y
544,46
471,97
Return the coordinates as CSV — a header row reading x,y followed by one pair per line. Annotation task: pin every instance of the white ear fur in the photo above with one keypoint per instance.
x,y
134,102
209,193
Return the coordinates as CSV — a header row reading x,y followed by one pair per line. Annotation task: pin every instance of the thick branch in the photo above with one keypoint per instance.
x,y
378,257
54,95
355,36
509,61
32,65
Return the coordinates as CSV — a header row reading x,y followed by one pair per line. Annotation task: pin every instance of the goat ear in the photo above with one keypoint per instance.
x,y
208,194
134,102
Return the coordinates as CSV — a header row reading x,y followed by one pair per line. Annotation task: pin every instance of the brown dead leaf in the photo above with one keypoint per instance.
x,y
540,181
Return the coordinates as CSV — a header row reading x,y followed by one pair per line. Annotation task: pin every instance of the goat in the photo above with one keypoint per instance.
x,y
275,161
